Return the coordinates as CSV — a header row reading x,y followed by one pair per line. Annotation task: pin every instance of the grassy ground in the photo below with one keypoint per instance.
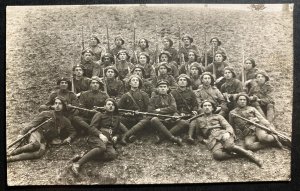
x,y
43,43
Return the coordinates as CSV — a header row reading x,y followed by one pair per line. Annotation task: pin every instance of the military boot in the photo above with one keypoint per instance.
x,y
178,127
163,129
128,135
246,153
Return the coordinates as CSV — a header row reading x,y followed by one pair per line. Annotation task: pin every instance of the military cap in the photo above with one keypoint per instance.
x,y
121,38
231,70
123,51
165,64
264,73
96,78
66,80
212,103
138,66
211,76
187,36
222,53
198,66
170,41
252,61
242,94
112,68
96,38
110,56
78,66
145,54
189,82
160,82
63,101
219,42
147,42
138,77
166,53
115,104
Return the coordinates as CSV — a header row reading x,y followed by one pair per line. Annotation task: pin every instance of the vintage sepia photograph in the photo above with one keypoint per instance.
x,y
148,93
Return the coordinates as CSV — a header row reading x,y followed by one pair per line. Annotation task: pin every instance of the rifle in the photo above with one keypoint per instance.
x,y
107,36
205,49
282,137
82,38
134,45
82,109
29,132
243,71
214,68
179,45
156,46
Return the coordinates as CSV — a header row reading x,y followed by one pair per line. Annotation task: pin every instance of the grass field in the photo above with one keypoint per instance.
x,y
44,42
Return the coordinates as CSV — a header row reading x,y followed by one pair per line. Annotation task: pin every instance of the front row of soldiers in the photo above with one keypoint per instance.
x,y
170,112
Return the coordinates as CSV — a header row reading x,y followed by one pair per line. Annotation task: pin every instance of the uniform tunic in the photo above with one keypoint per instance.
x,y
210,93
185,100
141,98
233,87
263,92
115,88
166,104
98,51
69,96
195,82
83,84
173,52
249,74
124,69
90,68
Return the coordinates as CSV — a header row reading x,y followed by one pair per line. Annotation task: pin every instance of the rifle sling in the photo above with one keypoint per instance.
x,y
135,103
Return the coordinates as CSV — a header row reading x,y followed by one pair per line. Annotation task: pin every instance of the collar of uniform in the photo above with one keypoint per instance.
x,y
180,90
206,87
137,90
229,82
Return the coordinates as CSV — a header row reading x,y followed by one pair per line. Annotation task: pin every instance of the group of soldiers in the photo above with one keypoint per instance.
x,y
115,94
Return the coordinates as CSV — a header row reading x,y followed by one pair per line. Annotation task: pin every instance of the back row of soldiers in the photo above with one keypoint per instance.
x,y
163,96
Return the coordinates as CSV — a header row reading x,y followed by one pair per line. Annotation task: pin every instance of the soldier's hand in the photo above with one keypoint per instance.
x,y
194,112
114,139
218,80
77,95
67,140
182,114
158,110
103,138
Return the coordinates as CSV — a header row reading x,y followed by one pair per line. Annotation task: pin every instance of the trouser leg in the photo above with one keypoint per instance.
x,y
246,153
26,148
179,126
252,144
137,127
270,112
28,156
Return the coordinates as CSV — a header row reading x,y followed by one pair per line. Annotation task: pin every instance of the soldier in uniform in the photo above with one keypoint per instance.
x,y
196,71
168,46
255,138
207,91
260,95
106,60
123,65
114,86
104,130
231,87
215,45
164,103
147,85
119,42
96,48
90,67
165,56
137,100
249,73
144,60
218,135
51,132
187,45
143,46
192,57
162,71
88,99
80,82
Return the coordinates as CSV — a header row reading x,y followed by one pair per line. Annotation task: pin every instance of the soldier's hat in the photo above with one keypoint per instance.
x,y
198,66
110,56
66,80
189,82
195,53
87,51
77,66
63,101
166,53
212,103
219,42
222,53
187,36
211,76
112,68
99,80
139,66
165,64
231,70
147,42
160,82
242,94
116,111
170,41
96,38
121,38
138,77
264,73
145,54
252,61
123,51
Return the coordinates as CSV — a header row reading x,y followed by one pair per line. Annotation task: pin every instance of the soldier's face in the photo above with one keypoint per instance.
x,y
143,43
110,73
106,59
227,74
261,79
93,41
78,71
94,85
134,82
118,42
143,59
242,101
163,89
164,58
166,43
122,56
182,82
109,106
63,85
248,65
206,80
207,107
58,105
162,70
192,56
218,58
186,41
194,71
87,56
214,42
138,72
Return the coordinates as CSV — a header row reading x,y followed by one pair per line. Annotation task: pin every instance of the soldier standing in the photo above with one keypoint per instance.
x,y
96,48
114,86
187,45
218,134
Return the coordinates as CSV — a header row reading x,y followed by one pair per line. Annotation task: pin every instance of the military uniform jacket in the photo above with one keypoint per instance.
x,y
185,100
213,127
90,68
166,104
196,82
89,99
106,123
211,93
174,54
83,84
115,50
53,128
247,112
124,69
233,86
141,99
98,51
170,79
219,69
262,92
249,74
115,88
